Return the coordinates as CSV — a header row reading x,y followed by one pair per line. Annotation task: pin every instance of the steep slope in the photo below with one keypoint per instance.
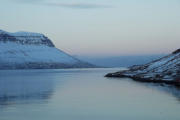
x,y
25,50
165,69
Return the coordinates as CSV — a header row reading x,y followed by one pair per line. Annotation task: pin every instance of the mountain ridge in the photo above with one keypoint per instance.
x,y
25,38
27,50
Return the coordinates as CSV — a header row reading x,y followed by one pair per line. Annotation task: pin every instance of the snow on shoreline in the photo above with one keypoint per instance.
x,y
165,69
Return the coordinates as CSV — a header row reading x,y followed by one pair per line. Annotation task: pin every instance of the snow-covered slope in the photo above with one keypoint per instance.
x,y
23,50
166,69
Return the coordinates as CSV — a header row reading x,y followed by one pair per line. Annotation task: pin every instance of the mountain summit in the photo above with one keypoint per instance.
x,y
163,70
27,50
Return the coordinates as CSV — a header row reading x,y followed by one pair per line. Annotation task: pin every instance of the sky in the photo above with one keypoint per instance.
x,y
98,27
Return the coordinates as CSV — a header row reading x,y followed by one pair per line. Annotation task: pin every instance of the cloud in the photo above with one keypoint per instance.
x,y
78,5
74,5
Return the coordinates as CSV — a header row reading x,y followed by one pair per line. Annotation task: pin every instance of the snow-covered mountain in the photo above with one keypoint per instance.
x,y
165,69
26,50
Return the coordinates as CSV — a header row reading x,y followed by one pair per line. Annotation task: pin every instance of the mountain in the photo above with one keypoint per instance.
x,y
120,61
26,50
163,70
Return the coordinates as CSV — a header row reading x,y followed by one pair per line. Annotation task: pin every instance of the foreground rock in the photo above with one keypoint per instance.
x,y
26,50
163,70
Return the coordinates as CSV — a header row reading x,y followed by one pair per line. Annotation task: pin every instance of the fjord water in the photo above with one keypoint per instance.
x,y
83,94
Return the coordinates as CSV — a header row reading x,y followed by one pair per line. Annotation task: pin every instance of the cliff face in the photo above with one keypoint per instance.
x,y
25,38
165,69
26,50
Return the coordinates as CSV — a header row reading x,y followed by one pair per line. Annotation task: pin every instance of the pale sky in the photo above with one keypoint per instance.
x,y
98,27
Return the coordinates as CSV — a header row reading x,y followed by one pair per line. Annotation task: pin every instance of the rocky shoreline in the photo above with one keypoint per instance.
x,y
164,70
139,79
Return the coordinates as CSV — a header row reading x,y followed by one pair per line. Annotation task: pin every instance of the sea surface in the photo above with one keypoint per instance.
x,y
83,94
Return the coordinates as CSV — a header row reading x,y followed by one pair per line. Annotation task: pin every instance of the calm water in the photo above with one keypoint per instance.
x,y
83,94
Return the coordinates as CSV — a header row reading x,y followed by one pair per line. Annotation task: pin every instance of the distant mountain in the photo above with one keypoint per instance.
x,y
120,61
165,70
26,50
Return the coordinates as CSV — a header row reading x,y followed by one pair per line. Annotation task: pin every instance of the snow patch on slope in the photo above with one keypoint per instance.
x,y
22,33
23,50
13,52
164,69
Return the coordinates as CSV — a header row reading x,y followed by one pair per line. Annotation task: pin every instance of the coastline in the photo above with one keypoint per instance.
x,y
141,79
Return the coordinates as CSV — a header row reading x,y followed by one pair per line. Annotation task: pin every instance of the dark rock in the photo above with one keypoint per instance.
x,y
25,39
177,51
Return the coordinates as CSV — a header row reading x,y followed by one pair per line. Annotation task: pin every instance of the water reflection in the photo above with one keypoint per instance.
x,y
82,95
23,87
169,89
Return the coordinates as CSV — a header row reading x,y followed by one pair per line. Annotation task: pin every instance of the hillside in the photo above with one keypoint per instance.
x,y
26,50
165,70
